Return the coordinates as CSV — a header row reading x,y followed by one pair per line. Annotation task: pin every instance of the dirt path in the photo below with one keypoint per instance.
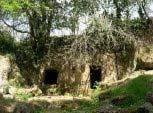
x,y
51,99
57,104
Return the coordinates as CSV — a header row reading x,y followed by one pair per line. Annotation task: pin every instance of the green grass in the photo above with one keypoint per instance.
x,y
136,91
7,102
84,107
23,96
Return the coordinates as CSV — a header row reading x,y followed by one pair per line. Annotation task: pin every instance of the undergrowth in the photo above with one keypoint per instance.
x,y
88,106
136,91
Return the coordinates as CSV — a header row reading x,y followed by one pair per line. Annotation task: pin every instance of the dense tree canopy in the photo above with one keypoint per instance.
x,y
39,17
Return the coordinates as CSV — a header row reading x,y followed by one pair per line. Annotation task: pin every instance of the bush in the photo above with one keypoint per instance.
x,y
138,27
7,43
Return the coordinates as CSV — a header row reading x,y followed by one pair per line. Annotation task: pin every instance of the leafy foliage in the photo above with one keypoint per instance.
x,y
7,43
139,26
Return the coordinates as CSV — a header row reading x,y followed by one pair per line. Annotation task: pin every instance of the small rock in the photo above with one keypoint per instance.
x,y
74,105
35,91
150,98
64,106
146,108
12,90
8,96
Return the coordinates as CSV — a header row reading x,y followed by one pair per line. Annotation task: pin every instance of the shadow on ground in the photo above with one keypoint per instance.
x,y
46,104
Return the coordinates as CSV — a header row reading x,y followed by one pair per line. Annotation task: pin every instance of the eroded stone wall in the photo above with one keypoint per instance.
x,y
4,69
109,71
70,79
145,58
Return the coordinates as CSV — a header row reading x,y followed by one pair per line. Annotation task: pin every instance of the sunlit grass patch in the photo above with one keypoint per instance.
x,y
135,91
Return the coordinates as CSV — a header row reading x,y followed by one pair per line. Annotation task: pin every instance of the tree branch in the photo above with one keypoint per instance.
x,y
13,27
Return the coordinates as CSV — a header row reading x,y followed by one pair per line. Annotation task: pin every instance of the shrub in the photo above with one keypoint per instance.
x,y
7,43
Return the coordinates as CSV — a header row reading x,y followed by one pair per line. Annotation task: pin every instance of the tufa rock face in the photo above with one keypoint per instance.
x,y
4,69
145,58
109,68
116,66
9,75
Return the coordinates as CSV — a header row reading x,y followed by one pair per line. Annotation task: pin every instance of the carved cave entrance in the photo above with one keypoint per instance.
x,y
95,76
51,76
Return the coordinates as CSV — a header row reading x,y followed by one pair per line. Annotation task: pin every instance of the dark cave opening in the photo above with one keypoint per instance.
x,y
50,76
95,76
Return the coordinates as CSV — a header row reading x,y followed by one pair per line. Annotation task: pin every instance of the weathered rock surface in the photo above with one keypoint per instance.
x,y
4,69
35,91
145,58
146,108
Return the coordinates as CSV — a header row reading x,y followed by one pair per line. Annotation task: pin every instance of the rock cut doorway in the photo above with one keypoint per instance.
x,y
95,75
51,76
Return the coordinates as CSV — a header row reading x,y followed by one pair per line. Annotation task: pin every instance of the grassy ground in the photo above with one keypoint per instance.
x,y
83,107
43,106
135,91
